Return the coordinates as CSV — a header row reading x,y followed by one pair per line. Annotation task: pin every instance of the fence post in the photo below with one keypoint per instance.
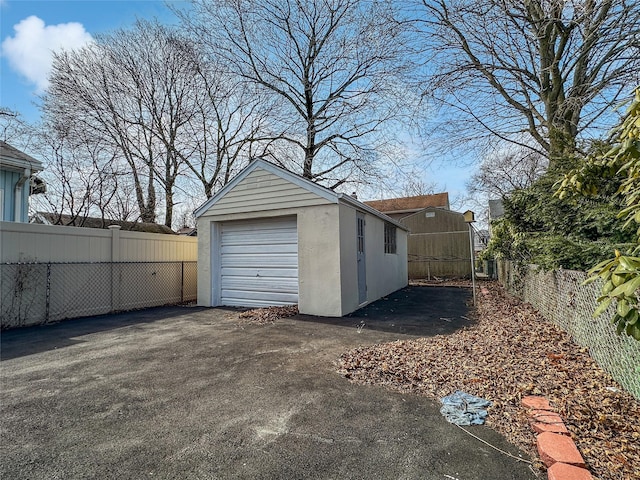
x,y
182,283
48,294
115,258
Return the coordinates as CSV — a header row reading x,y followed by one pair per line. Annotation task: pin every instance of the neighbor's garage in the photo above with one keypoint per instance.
x,y
271,237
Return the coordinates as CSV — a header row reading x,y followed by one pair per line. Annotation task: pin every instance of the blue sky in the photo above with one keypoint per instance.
x,y
92,17
29,29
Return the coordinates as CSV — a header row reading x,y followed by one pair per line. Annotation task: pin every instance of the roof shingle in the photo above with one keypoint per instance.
x,y
408,204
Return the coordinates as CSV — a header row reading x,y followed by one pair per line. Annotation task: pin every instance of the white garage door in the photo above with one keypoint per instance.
x,y
259,263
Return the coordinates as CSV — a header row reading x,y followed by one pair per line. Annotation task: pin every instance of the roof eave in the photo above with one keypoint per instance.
x,y
363,206
19,164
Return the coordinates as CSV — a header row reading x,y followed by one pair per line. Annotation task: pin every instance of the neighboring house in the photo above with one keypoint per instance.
x,y
480,240
438,244
398,208
188,231
47,218
271,237
496,210
17,182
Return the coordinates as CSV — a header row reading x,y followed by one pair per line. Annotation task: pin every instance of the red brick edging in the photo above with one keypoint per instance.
x,y
556,448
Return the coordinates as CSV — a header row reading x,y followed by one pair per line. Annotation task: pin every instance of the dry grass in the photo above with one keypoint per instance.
x,y
511,352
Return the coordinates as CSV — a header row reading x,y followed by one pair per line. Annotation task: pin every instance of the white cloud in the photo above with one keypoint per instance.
x,y
30,50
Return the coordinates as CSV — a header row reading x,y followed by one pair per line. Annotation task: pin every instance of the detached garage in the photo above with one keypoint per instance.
x,y
271,237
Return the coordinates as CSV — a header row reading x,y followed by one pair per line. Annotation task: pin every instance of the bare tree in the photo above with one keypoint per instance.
x,y
149,92
82,177
501,172
416,186
330,64
88,93
138,89
549,69
15,130
226,130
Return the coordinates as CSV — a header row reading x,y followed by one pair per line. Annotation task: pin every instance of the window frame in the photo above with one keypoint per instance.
x,y
390,239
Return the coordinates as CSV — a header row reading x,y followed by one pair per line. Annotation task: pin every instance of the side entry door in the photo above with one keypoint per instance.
x,y
362,263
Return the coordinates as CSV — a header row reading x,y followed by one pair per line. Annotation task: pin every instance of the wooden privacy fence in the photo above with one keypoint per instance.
x,y
50,273
439,254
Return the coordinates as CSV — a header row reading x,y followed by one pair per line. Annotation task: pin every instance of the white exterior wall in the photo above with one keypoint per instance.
x,y
318,256
319,261
28,242
385,272
326,227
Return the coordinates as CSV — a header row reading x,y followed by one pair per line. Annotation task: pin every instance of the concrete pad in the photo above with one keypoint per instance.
x,y
194,393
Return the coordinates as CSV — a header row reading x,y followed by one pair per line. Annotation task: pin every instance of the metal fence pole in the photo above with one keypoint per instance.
x,y
473,269
48,293
182,283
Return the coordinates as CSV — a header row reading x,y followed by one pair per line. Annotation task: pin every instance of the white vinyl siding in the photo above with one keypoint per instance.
x,y
262,191
259,263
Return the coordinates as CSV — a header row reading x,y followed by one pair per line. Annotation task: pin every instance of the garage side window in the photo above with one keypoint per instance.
x,y
389,238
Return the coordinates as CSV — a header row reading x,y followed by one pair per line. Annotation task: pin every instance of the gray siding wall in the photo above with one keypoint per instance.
x,y
262,191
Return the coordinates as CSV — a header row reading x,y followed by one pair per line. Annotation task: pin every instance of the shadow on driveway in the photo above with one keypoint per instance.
x,y
414,310
18,342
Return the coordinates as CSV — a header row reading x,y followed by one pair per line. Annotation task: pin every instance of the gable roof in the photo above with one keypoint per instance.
x,y
438,210
411,204
297,180
13,158
94,222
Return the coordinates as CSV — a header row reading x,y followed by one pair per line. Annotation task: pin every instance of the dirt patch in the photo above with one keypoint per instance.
x,y
509,353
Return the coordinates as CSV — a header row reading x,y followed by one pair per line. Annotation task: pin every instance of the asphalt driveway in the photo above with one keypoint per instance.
x,y
182,393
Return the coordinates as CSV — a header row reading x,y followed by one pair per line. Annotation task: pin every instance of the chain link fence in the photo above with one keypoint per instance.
x,y
37,293
561,298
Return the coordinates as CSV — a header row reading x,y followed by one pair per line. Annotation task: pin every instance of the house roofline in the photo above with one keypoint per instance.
x,y
298,180
17,160
358,204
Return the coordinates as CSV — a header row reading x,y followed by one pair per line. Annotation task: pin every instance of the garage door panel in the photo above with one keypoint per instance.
x,y
262,285
235,271
259,263
243,301
252,236
262,250
271,298
281,260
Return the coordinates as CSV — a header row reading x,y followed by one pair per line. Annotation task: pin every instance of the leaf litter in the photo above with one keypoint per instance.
x,y
267,315
510,352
